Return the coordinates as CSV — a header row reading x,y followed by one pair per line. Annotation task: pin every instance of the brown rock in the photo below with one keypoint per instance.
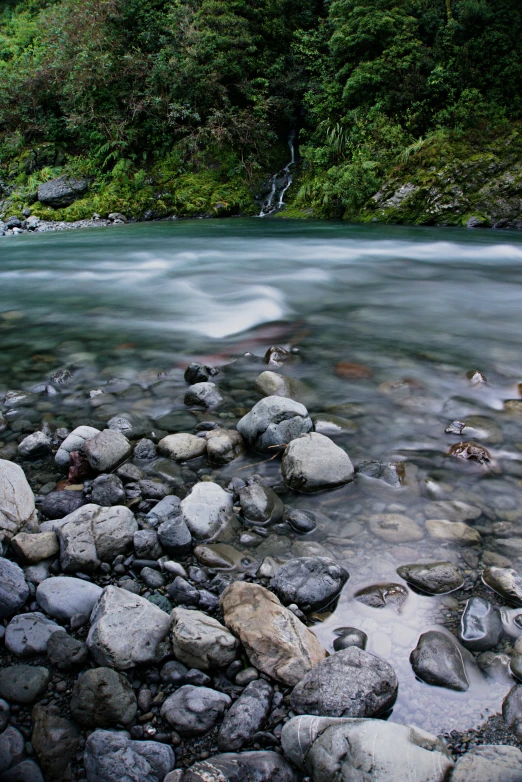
x,y
352,371
275,641
33,547
472,452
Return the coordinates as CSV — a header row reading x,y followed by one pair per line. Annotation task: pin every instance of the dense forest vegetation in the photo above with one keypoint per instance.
x,y
404,110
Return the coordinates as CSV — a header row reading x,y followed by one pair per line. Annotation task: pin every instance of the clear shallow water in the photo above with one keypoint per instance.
x,y
424,304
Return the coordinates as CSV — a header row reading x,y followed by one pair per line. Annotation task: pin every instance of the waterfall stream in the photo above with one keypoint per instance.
x,y
279,184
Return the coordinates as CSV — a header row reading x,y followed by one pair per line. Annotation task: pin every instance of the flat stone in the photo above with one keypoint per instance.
x,y
23,683
260,766
454,531
480,625
55,740
110,756
206,510
452,510
489,763
309,582
332,425
27,635
512,710
102,698
312,462
224,445
106,450
437,660
58,504
364,749
383,595
203,395
434,578
260,504
14,590
200,641
273,423
506,582
126,630
349,683
395,528
182,447
16,499
275,641
93,534
36,444
193,711
392,473
62,597
246,716
33,547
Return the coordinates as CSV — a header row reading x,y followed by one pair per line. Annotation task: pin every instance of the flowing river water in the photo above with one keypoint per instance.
x,y
385,322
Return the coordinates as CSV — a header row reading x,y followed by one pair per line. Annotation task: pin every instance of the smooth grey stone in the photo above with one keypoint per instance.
x,y
173,672
303,521
11,748
512,710
349,636
27,635
206,510
383,596
273,423
203,395
36,444
61,191
16,499
130,425
193,711
107,490
354,750
200,641
506,582
260,504
349,683
35,574
312,462
224,445
480,625
183,593
102,698
107,450
55,740
23,683
26,771
437,660
309,582
199,373
146,544
126,630
166,509
435,578
145,449
129,473
174,536
489,763
65,652
58,504
392,473
246,716
74,442
260,766
93,534
62,597
14,590
152,578
111,756
5,714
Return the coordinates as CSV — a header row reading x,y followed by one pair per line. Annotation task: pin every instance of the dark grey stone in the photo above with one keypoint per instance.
x,y
11,748
61,191
392,473
246,716
146,544
302,521
437,660
5,714
260,504
65,652
273,422
203,395
58,504
153,490
107,490
174,536
199,373
55,740
349,683
193,711
152,578
349,636
182,593
383,595
435,578
261,766
111,756
102,698
23,683
26,771
145,449
512,710
173,672
480,625
309,582
14,590
165,509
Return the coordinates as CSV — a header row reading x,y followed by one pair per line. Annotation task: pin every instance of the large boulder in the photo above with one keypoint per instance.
x,y
350,683
206,510
111,756
14,590
106,450
16,499
126,630
200,641
63,597
273,423
313,462
62,191
330,749
93,534
310,582
102,698
275,641
260,766
193,711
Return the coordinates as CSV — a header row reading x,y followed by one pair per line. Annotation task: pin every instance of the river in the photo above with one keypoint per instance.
x,y
384,321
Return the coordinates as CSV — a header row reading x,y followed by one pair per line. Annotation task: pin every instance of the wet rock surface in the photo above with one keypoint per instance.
x,y
312,462
480,625
273,423
434,578
309,582
438,660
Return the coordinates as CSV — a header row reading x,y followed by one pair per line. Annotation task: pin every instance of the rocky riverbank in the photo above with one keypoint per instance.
x,y
175,605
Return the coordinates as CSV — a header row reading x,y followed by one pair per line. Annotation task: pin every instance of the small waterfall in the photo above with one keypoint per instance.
x,y
279,184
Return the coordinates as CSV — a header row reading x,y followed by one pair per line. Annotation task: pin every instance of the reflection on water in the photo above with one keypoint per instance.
x,y
409,311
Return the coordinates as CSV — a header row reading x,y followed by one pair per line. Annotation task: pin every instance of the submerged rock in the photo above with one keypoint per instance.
x,y
364,749
350,683
224,445
275,641
455,531
199,373
472,452
505,582
383,595
480,625
273,423
312,462
435,578
395,528
309,582
260,504
437,660
203,395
